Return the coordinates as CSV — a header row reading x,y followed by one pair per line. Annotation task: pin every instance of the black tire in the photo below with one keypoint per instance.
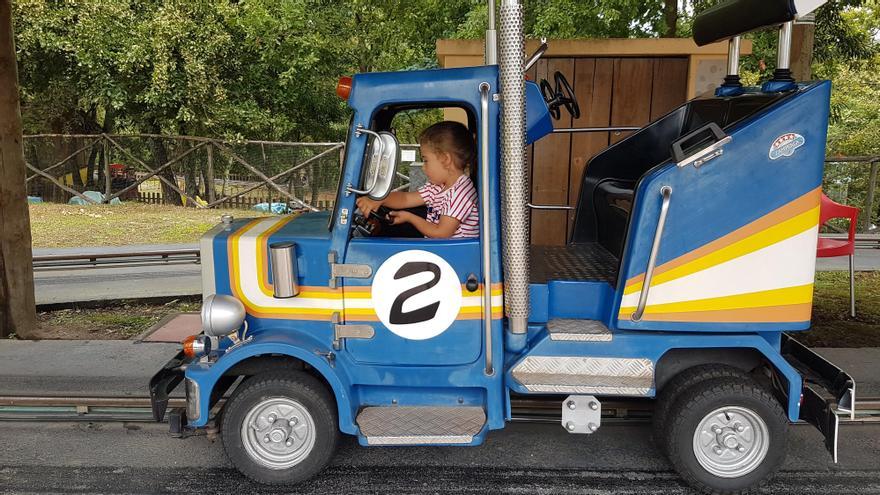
x,y
698,402
305,390
678,385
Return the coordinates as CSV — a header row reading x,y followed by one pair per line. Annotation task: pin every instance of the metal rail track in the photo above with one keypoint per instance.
x,y
137,409
116,260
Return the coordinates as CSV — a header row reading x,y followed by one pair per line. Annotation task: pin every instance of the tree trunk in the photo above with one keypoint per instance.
x,y
160,157
670,17
17,308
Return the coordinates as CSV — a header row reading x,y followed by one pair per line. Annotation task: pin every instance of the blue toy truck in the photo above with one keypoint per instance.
x,y
691,261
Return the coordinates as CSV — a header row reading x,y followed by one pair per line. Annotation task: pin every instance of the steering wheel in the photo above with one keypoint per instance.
x,y
562,95
372,225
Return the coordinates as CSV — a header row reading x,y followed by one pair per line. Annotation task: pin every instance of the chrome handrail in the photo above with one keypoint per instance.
x,y
484,223
666,192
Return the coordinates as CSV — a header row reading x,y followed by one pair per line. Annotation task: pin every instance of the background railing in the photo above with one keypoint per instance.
x,y
186,170
207,172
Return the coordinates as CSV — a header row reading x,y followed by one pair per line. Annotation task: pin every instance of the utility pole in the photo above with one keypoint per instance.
x,y
17,307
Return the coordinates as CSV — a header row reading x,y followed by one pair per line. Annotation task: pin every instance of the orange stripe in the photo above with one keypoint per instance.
x,y
771,314
789,210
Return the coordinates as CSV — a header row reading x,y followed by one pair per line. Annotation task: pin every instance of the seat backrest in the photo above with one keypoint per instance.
x,y
829,209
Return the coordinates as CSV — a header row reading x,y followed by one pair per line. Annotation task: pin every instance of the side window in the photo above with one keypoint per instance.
x,y
408,124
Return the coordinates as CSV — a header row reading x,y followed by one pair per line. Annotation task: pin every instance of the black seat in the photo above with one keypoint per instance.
x,y
734,17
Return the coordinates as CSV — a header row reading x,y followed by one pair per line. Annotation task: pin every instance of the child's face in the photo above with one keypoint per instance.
x,y
438,167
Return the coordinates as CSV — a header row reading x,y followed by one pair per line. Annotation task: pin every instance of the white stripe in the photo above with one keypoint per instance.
x,y
788,263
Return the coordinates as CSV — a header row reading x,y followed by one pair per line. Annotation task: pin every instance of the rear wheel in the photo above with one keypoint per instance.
x,y
727,435
678,385
280,427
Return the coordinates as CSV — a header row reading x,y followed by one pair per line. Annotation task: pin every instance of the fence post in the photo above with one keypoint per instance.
x,y
869,199
209,174
108,184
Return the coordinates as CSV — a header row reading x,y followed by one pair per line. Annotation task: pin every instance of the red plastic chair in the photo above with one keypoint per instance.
x,y
829,248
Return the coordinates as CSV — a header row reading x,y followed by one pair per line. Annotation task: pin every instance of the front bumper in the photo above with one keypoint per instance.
x,y
164,382
828,391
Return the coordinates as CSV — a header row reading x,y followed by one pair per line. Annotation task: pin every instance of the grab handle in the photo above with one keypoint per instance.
x,y
710,131
666,192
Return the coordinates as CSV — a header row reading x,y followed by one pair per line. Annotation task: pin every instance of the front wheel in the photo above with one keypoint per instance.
x,y
280,428
727,436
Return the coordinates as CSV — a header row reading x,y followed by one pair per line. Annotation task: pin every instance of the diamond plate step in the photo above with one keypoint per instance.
x,y
420,425
578,330
585,375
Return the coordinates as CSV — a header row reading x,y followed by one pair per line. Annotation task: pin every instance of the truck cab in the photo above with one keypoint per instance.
x,y
691,260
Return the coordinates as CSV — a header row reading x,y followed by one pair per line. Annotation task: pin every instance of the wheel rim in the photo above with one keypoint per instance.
x,y
731,441
278,433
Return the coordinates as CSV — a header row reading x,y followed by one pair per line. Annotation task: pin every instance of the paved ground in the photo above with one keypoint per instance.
x,y
522,459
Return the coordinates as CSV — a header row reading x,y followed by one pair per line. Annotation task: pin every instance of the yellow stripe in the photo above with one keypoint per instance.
x,y
774,297
784,230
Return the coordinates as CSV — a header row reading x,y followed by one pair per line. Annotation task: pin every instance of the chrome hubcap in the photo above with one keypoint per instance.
x,y
731,441
278,433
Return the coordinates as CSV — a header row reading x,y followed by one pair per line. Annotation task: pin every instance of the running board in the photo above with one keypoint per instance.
x,y
578,330
421,425
632,377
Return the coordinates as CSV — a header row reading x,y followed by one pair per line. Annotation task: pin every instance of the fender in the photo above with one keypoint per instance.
x,y
268,341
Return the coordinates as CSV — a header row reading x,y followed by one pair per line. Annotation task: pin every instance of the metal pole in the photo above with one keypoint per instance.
x,y
869,200
491,37
515,191
485,231
783,54
733,56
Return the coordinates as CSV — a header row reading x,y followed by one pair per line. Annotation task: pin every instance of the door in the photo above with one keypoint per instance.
x,y
416,300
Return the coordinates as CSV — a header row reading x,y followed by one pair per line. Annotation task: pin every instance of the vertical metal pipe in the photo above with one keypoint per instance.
x,y
485,230
733,56
515,191
783,54
852,286
491,37
108,181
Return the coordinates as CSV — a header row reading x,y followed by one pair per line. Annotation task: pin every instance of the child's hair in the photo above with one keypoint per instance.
x,y
453,138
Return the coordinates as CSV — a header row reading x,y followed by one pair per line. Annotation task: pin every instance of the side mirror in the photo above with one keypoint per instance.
x,y
382,159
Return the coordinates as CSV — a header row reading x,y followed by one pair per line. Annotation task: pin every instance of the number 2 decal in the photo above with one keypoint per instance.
x,y
416,294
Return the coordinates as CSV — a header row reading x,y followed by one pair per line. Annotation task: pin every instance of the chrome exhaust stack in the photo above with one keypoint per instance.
x,y
515,185
283,255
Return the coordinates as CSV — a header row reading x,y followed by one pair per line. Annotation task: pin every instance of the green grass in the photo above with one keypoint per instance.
x,y
54,225
832,325
120,322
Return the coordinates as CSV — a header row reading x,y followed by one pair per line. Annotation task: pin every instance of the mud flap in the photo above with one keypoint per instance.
x,y
827,390
163,383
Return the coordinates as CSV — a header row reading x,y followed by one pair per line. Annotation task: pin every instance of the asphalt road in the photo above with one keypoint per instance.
x,y
522,459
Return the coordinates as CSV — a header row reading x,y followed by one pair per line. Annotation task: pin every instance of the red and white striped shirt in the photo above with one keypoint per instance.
x,y
458,202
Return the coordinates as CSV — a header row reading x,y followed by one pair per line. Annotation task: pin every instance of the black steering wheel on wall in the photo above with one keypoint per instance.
x,y
562,95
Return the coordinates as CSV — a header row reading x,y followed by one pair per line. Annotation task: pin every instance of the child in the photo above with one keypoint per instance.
x,y
451,198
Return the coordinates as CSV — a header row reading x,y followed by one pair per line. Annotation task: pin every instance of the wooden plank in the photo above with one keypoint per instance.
x,y
631,100
550,170
670,85
593,79
17,307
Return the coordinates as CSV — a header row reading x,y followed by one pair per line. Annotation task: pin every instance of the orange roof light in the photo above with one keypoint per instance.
x,y
343,88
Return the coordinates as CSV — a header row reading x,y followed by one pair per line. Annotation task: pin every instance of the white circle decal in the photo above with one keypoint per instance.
x,y
416,294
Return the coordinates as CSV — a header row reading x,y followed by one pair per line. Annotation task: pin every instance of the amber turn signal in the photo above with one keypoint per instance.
x,y
343,88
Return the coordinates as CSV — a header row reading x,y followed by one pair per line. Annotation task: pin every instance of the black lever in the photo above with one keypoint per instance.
x,y
472,285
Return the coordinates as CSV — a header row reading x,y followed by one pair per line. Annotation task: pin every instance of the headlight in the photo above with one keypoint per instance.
x,y
221,315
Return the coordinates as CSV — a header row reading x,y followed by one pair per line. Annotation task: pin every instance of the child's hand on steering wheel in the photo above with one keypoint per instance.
x,y
367,205
399,217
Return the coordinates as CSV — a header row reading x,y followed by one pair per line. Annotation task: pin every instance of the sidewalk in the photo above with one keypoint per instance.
x,y
123,368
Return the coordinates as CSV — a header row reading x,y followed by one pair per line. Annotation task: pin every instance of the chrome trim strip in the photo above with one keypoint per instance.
x,y
666,191
595,129
550,207
485,233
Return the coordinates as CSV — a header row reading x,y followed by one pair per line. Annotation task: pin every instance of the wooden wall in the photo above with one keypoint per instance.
x,y
611,91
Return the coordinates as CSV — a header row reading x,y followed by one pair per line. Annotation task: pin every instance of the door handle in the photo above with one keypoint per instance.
x,y
471,285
